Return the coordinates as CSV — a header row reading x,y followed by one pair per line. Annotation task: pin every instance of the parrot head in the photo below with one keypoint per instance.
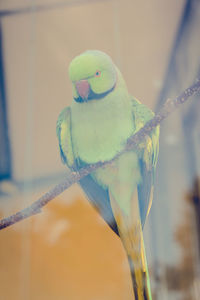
x,y
93,75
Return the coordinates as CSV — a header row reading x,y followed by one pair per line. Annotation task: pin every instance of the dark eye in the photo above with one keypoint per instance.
x,y
98,73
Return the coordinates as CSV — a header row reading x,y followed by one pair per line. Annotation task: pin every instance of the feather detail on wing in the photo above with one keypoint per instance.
x,y
99,198
63,131
148,157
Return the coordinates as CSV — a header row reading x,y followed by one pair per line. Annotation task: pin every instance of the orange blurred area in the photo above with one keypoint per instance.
x,y
65,252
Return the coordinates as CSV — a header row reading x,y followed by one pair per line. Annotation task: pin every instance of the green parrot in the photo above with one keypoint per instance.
x,y
102,116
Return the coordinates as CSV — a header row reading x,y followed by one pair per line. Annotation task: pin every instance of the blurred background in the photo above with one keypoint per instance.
x,y
67,251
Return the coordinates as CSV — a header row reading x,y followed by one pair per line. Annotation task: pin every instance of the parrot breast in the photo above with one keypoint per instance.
x,y
100,128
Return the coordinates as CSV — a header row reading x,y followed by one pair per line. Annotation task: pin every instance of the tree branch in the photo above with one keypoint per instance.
x,y
74,177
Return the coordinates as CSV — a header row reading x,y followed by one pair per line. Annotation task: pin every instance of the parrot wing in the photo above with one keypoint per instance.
x,y
63,132
148,158
97,195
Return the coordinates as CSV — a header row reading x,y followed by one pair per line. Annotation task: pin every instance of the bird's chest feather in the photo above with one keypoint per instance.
x,y
100,129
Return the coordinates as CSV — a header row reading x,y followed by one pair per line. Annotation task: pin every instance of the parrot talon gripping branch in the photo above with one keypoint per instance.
x,y
110,141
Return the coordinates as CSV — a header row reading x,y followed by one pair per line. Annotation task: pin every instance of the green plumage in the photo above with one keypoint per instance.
x,y
96,128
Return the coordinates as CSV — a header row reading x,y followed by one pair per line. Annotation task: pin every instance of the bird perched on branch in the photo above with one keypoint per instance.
x,y
95,128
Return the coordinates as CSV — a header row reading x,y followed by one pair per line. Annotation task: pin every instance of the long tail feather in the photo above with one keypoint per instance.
x,y
140,275
130,231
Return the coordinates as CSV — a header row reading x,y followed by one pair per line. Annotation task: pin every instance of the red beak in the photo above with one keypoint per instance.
x,y
83,88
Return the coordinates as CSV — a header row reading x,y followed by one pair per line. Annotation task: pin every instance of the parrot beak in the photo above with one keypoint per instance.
x,y
83,88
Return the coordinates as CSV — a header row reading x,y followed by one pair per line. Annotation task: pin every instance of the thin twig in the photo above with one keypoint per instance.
x,y
74,177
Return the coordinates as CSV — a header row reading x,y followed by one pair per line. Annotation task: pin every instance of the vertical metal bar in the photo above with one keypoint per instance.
x,y
5,153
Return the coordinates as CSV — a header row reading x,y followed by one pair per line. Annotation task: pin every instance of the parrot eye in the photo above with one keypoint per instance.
x,y
98,73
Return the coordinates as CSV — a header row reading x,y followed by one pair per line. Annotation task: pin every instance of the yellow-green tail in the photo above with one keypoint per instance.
x,y
140,274
130,232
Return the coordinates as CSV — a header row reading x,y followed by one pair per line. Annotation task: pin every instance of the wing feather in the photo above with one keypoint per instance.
x,y
148,158
63,131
